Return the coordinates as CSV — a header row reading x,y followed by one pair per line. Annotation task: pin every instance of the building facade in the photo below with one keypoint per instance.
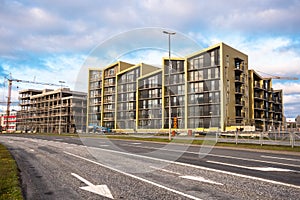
x,y
209,90
8,124
267,105
52,111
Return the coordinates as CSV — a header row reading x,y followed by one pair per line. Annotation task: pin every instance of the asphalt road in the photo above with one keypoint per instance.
x,y
59,167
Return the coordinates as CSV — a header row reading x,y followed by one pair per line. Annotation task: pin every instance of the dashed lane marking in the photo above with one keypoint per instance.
x,y
280,158
194,178
266,169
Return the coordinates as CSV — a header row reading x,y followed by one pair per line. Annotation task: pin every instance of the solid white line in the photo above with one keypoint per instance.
x,y
221,156
165,170
200,179
279,158
135,177
266,169
203,168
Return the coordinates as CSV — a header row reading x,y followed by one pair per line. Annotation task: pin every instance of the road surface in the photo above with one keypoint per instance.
x,y
59,167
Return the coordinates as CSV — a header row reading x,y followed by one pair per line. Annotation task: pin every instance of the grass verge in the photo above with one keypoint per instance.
x,y
9,181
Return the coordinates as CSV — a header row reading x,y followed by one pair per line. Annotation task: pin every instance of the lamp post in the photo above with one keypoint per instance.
x,y
59,124
170,67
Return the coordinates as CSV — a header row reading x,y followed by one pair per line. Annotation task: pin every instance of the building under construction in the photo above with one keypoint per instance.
x,y
51,111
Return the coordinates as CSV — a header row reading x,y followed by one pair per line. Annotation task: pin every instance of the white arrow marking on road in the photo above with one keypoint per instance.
x,y
201,179
102,190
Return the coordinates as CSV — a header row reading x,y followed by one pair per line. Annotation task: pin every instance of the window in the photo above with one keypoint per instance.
x,y
180,89
111,71
201,61
196,63
212,57
200,98
190,64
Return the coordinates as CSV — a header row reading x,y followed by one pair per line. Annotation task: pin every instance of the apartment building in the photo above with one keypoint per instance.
x,y
209,90
149,101
267,106
8,123
112,95
52,111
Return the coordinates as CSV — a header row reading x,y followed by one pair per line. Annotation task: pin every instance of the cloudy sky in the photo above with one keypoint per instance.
x,y
49,41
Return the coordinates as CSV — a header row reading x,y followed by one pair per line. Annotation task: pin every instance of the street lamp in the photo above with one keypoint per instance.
x,y
170,67
59,124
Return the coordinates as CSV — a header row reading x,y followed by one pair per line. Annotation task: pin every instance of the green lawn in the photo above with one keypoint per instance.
x,y
9,180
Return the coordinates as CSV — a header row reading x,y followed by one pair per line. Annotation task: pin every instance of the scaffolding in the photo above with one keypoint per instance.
x,y
52,111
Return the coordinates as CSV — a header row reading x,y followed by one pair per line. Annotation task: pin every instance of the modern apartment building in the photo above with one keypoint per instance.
x,y
208,90
149,101
267,106
52,111
112,95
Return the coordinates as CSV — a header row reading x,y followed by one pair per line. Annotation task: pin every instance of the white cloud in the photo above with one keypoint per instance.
x,y
288,87
65,68
266,54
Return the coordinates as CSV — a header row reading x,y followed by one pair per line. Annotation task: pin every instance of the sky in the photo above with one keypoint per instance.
x,y
52,41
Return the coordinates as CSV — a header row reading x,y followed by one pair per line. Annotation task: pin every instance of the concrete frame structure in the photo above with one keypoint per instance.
x,y
211,90
46,110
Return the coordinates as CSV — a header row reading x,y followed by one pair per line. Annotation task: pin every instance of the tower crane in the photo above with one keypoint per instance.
x,y
278,77
10,80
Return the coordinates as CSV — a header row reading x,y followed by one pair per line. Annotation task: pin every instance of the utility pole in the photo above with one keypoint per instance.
x,y
169,93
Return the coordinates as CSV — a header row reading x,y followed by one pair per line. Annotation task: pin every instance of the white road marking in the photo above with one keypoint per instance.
x,y
279,158
201,179
199,167
32,150
136,143
165,170
194,178
133,176
266,169
102,190
272,169
221,156
104,145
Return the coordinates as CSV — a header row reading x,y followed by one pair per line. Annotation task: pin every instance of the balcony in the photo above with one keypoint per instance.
x,y
258,96
239,79
239,91
259,107
108,119
239,102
